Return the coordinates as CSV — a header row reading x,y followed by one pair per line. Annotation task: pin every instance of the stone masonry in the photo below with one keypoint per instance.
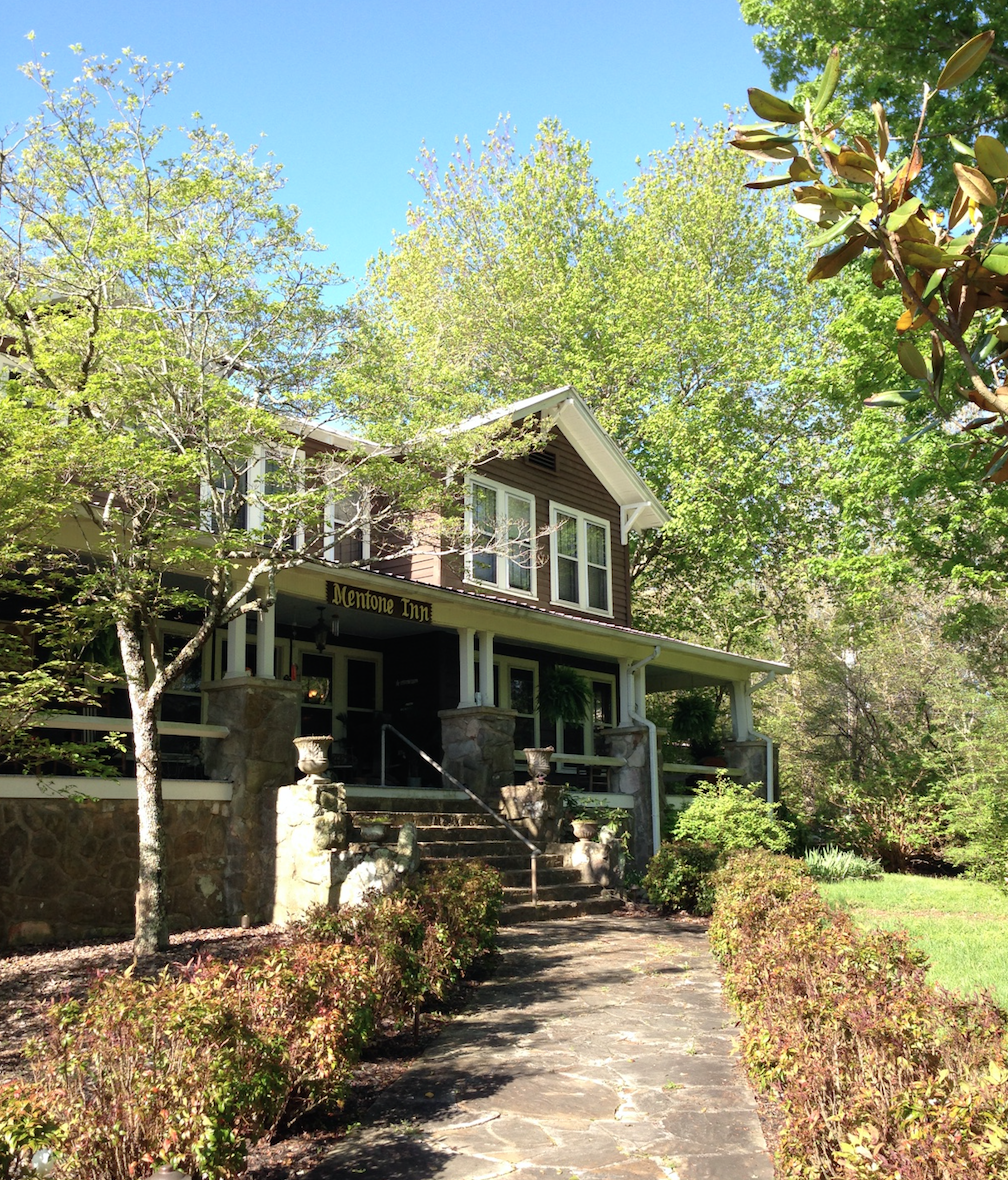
x,y
478,746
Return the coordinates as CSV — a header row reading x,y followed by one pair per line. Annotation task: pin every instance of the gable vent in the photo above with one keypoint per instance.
x,y
547,460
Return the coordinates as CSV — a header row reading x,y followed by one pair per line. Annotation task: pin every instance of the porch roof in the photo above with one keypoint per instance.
x,y
676,665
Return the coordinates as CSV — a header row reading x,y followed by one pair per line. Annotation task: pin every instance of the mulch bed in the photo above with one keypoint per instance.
x,y
32,979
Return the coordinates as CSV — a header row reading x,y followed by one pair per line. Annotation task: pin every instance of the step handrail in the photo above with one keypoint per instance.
x,y
495,816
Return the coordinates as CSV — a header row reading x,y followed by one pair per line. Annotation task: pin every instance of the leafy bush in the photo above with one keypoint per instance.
x,y
678,876
877,1072
835,864
187,1069
156,1070
731,817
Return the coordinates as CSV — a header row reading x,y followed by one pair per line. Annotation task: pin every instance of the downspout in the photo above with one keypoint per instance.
x,y
769,678
640,719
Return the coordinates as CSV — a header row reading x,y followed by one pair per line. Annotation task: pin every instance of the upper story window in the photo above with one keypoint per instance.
x,y
500,524
582,566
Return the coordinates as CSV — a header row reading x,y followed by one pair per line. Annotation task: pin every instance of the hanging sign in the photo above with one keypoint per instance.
x,y
376,602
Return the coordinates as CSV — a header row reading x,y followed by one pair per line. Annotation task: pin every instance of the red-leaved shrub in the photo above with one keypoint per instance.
x,y
877,1071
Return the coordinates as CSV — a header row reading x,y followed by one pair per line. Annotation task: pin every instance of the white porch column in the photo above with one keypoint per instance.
x,y
236,648
265,642
741,711
467,662
486,689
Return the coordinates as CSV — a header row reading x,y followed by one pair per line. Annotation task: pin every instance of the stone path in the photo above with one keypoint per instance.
x,y
601,1048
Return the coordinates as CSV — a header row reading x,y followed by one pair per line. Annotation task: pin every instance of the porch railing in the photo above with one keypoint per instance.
x,y
495,816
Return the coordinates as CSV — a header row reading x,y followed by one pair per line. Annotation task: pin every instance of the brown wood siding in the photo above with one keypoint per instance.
x,y
573,485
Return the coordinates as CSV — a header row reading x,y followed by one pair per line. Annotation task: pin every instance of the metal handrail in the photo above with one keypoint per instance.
x,y
495,816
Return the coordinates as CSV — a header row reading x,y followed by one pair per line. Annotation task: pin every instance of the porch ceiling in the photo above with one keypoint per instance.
x,y
677,665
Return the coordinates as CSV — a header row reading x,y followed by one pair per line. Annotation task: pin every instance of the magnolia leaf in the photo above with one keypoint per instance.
x,y
980,420
958,209
933,283
801,170
923,255
937,361
991,157
996,473
926,429
834,231
890,398
966,60
963,149
869,211
902,214
828,81
883,129
832,263
995,262
912,361
809,210
905,174
853,165
761,137
769,106
880,272
769,182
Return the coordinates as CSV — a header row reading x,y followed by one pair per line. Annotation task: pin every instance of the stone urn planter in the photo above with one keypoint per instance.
x,y
313,760
538,759
585,829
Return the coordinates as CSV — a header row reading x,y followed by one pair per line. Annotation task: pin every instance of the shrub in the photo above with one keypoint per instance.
x,y
835,864
731,817
155,1070
877,1072
187,1069
678,876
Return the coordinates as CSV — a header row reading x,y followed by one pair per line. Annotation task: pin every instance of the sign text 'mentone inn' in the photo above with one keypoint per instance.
x,y
377,603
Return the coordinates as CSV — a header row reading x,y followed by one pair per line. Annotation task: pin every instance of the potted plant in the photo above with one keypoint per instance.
x,y
694,720
564,695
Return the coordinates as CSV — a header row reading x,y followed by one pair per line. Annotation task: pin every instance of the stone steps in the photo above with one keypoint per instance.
x,y
462,830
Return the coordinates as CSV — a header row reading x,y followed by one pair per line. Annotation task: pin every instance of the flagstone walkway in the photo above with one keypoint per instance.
x,y
600,1048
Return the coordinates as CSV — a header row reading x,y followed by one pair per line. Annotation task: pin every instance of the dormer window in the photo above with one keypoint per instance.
x,y
500,524
582,567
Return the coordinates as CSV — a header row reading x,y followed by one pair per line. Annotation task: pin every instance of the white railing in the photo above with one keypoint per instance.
x,y
125,725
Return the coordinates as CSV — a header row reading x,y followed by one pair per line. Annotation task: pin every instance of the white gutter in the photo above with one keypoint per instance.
x,y
641,719
769,678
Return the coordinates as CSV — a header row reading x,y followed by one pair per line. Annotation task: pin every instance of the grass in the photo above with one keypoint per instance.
x,y
961,925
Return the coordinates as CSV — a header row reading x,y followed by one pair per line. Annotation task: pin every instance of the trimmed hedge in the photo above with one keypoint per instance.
x,y
877,1071
188,1068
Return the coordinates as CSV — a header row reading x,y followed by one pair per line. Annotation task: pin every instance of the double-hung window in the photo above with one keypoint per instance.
x,y
501,528
582,568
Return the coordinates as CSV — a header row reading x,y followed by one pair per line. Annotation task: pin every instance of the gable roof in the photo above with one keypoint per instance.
x,y
565,408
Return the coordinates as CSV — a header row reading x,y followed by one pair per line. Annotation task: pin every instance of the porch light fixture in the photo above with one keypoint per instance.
x,y
322,631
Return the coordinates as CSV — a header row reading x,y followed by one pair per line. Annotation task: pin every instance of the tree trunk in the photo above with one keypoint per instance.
x,y
151,932
151,929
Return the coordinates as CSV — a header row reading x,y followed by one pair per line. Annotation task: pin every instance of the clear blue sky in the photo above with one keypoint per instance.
x,y
345,91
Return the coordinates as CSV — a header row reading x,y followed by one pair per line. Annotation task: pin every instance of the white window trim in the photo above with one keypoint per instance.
x,y
582,519
258,475
333,535
501,585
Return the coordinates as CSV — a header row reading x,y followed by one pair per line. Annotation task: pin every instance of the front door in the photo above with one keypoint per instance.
x,y
341,694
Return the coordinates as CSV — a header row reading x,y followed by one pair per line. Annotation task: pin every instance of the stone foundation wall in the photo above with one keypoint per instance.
x,y
68,870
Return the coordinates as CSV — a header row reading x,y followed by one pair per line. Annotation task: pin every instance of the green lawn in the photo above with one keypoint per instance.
x,y
961,925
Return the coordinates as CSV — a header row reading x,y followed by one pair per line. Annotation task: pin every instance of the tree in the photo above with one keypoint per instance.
x,y
173,343
886,47
693,341
954,288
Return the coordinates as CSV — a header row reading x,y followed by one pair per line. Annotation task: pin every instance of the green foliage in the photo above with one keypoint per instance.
x,y
959,923
188,1069
564,695
949,269
730,817
884,49
678,876
876,1072
694,719
838,864
25,1127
